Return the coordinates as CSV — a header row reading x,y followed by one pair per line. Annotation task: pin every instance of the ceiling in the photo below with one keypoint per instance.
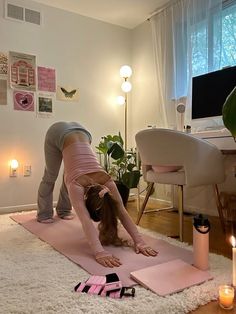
x,y
126,13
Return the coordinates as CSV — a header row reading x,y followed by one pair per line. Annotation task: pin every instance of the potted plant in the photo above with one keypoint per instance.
x,y
120,164
229,113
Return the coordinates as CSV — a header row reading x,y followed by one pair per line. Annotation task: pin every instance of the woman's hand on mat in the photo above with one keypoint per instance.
x,y
145,250
109,261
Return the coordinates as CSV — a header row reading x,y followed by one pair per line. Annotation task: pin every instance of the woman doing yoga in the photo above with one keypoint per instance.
x,y
86,187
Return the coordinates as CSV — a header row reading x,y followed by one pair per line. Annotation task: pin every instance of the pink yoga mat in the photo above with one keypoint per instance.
x,y
67,237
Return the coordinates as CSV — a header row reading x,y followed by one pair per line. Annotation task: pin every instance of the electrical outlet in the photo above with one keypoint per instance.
x,y
27,171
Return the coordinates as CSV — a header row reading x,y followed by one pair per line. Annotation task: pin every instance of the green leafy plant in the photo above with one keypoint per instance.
x,y
229,113
120,164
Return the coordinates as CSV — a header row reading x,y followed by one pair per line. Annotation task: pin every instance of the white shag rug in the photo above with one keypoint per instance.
x,y
34,278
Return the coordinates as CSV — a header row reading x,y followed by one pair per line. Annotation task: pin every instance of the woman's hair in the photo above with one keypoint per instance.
x,y
104,208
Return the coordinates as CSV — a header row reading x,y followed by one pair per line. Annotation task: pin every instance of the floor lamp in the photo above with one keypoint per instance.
x,y
125,73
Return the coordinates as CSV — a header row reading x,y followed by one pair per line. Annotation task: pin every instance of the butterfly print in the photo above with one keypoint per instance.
x,y
68,94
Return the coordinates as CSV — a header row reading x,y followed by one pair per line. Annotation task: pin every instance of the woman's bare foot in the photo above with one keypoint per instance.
x,y
68,217
46,221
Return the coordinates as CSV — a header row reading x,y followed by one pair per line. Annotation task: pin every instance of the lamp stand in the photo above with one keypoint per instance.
x,y
126,122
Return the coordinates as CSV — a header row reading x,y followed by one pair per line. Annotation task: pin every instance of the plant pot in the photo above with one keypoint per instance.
x,y
124,191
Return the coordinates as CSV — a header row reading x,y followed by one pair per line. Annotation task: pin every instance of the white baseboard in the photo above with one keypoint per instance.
x,y
19,208
134,196
188,208
159,200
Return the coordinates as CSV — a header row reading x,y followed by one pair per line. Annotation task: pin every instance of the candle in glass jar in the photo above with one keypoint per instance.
x,y
226,296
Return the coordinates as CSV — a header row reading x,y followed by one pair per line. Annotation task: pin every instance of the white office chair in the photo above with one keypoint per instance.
x,y
201,163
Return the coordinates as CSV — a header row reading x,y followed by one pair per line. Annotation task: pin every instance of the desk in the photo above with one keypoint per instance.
x,y
221,138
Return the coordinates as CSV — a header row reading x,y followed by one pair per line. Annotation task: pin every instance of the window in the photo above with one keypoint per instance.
x,y
228,55
213,41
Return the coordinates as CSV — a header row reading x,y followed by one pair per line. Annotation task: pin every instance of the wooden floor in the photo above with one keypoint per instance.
x,y
167,224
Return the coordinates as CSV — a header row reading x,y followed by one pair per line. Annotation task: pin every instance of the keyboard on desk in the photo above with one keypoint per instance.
x,y
222,138
209,133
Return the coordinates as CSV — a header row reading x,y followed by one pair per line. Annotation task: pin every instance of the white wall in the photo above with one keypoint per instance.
x,y
144,106
144,99
87,54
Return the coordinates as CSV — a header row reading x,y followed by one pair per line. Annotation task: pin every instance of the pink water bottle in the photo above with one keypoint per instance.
x,y
201,228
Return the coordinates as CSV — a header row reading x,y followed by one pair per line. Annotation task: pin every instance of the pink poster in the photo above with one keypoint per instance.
x,y
23,101
46,79
22,71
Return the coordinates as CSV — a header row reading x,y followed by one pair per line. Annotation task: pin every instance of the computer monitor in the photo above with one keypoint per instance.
x,y
209,92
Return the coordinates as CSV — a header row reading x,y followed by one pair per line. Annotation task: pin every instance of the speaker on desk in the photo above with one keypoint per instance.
x,y
180,110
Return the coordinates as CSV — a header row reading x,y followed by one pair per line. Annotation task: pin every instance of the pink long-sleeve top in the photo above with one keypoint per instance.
x,y
79,159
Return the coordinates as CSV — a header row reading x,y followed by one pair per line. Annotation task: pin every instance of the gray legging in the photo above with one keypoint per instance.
x,y
53,146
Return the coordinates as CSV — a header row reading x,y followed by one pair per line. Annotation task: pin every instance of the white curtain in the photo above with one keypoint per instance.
x,y
187,41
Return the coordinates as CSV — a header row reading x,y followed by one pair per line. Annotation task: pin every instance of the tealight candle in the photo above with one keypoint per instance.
x,y
226,297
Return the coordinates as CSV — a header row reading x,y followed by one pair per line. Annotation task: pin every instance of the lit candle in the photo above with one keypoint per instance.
x,y
226,296
233,242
